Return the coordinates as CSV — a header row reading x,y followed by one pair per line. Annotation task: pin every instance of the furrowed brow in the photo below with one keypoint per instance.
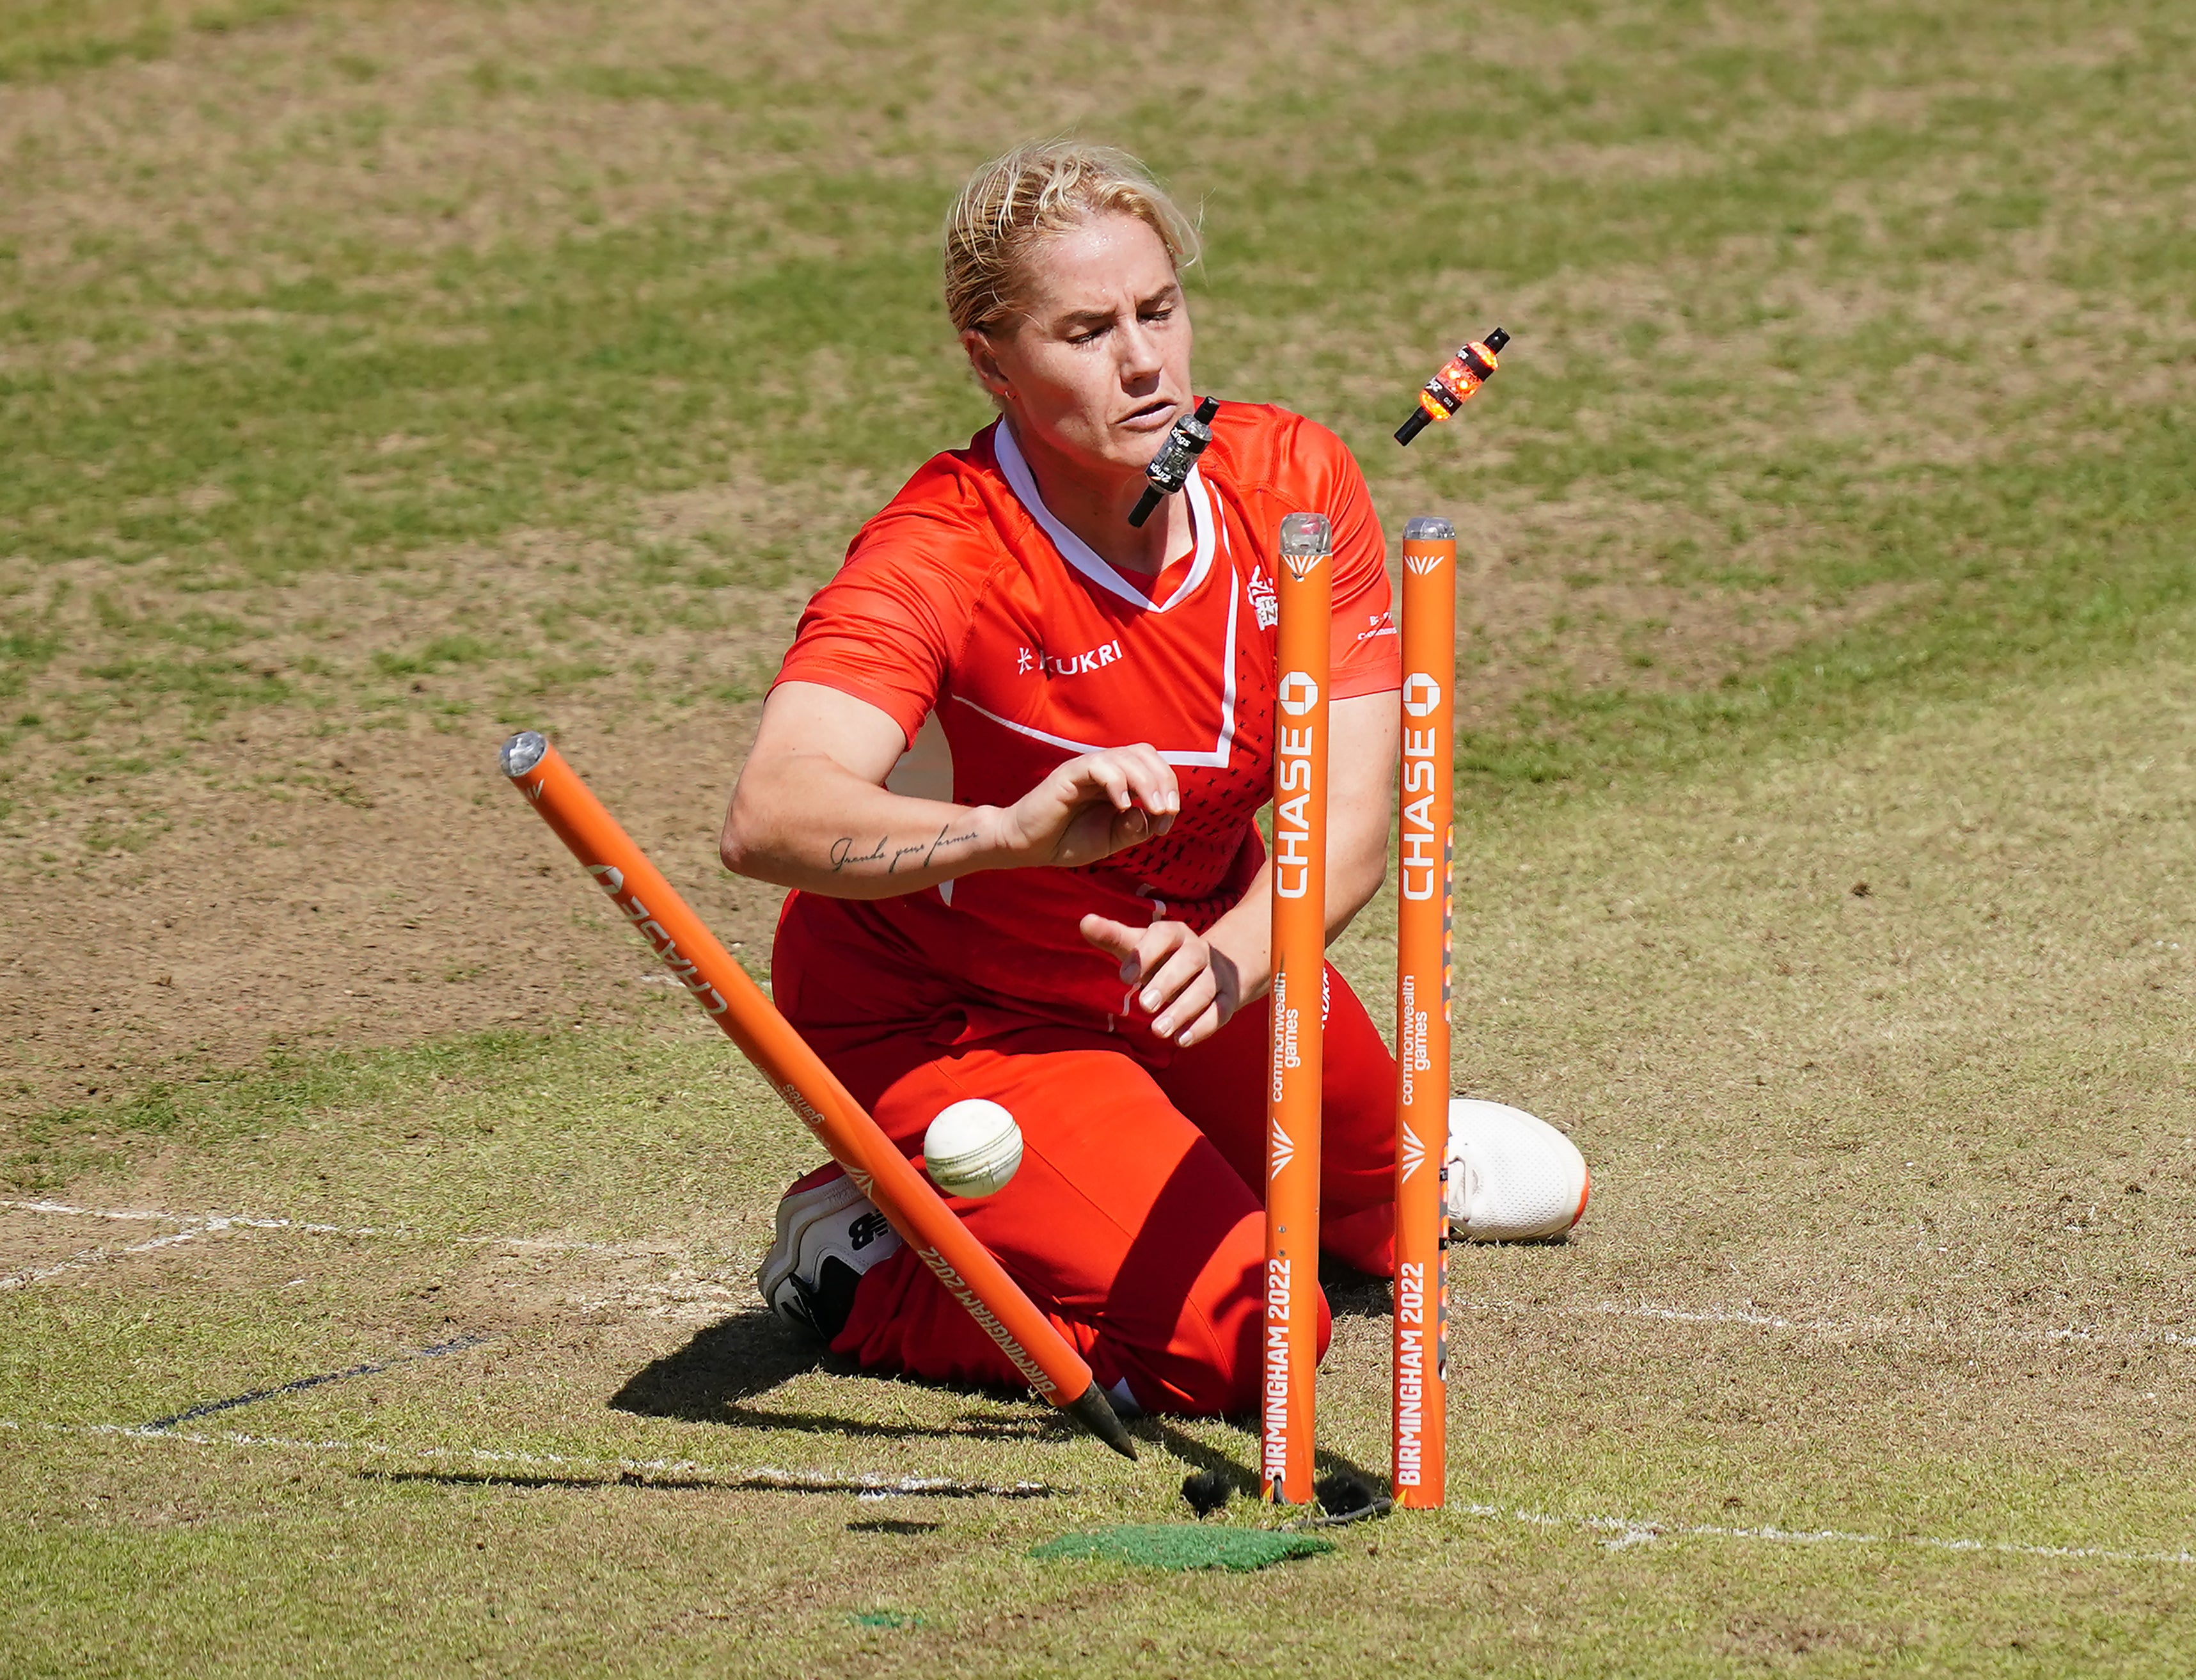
x,y
1074,320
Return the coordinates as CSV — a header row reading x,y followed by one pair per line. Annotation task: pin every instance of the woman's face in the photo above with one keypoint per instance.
x,y
1097,365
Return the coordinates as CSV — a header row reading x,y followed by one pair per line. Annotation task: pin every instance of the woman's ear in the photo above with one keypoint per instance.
x,y
983,362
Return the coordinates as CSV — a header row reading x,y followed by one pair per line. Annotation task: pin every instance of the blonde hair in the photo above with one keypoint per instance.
x,y
1015,203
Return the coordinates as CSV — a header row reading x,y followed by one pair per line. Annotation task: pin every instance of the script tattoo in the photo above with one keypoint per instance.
x,y
843,850
943,840
929,849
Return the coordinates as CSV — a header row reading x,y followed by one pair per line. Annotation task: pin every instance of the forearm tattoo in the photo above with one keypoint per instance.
x,y
891,853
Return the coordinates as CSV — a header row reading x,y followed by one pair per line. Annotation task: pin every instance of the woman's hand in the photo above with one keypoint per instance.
x,y
1091,807
1189,986
811,810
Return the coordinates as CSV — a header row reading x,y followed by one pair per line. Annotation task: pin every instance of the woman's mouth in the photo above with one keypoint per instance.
x,y
1151,417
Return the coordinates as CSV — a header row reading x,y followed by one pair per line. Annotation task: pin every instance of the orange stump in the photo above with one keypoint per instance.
x,y
1303,582
892,1181
1418,1467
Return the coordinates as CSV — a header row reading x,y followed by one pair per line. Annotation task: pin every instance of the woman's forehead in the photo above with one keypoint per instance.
x,y
1099,264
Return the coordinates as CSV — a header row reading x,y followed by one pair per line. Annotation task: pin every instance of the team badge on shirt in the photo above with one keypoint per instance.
x,y
1260,590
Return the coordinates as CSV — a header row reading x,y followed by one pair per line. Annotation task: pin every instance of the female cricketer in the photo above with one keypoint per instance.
x,y
1011,768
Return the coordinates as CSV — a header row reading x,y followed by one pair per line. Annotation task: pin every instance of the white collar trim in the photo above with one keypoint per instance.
x,y
1080,554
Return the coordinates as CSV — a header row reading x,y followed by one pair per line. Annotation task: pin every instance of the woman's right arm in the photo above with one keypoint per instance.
x,y
810,809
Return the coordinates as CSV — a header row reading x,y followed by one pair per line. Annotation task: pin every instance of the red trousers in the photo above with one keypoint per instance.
x,y
1133,1223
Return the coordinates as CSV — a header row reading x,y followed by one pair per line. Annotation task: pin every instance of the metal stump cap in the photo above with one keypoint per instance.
x,y
1306,534
523,751
1428,528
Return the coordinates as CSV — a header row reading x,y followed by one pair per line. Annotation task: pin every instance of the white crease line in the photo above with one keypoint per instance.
x,y
92,1213
864,1484
1633,1531
221,1221
1628,1531
552,1245
197,1224
194,1226
1595,1309
1916,1328
84,1259
225,1220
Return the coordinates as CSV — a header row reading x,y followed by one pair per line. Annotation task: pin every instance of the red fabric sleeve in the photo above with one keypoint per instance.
x,y
885,629
1366,656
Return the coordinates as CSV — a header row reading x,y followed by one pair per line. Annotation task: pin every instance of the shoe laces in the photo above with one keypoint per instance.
x,y
1463,1187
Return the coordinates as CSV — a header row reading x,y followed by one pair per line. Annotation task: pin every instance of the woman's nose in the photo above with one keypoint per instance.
x,y
1140,351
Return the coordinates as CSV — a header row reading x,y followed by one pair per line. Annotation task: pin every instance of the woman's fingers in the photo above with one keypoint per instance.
x,y
1133,828
1153,796
1141,951
1203,1028
1099,804
1101,774
1154,779
1116,939
1192,1002
1181,984
1210,1021
1227,995
1129,777
1169,968
1157,946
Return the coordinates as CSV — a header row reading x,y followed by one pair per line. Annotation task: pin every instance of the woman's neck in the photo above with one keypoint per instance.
x,y
1096,509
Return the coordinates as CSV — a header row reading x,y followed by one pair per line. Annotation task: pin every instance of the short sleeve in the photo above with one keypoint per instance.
x,y
885,629
1366,657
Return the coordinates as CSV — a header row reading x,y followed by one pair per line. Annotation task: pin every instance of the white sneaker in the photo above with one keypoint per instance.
x,y
1512,1176
829,1234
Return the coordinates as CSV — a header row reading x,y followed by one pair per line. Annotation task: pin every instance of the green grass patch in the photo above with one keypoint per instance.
x,y
40,39
1182,1546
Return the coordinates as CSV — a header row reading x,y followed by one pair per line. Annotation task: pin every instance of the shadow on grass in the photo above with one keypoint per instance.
x,y
1351,1294
711,1378
760,1481
1241,1476
493,1478
731,1361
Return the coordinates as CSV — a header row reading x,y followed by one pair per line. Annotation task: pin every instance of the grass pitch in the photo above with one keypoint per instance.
x,y
376,377
1872,1351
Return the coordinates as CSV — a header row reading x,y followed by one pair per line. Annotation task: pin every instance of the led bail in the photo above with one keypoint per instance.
x,y
1170,468
1450,389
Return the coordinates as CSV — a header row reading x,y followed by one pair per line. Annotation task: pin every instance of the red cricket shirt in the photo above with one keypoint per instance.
x,y
1003,645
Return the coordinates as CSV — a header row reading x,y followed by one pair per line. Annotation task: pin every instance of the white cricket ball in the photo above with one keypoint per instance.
x,y
973,1148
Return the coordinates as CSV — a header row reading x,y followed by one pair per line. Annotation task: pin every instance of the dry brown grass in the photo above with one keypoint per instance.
x,y
140,155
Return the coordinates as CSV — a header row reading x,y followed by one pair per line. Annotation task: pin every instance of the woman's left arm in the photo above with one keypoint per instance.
x,y
1191,986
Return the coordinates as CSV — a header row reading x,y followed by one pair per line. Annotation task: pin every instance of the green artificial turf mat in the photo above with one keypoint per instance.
x,y
1182,1546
